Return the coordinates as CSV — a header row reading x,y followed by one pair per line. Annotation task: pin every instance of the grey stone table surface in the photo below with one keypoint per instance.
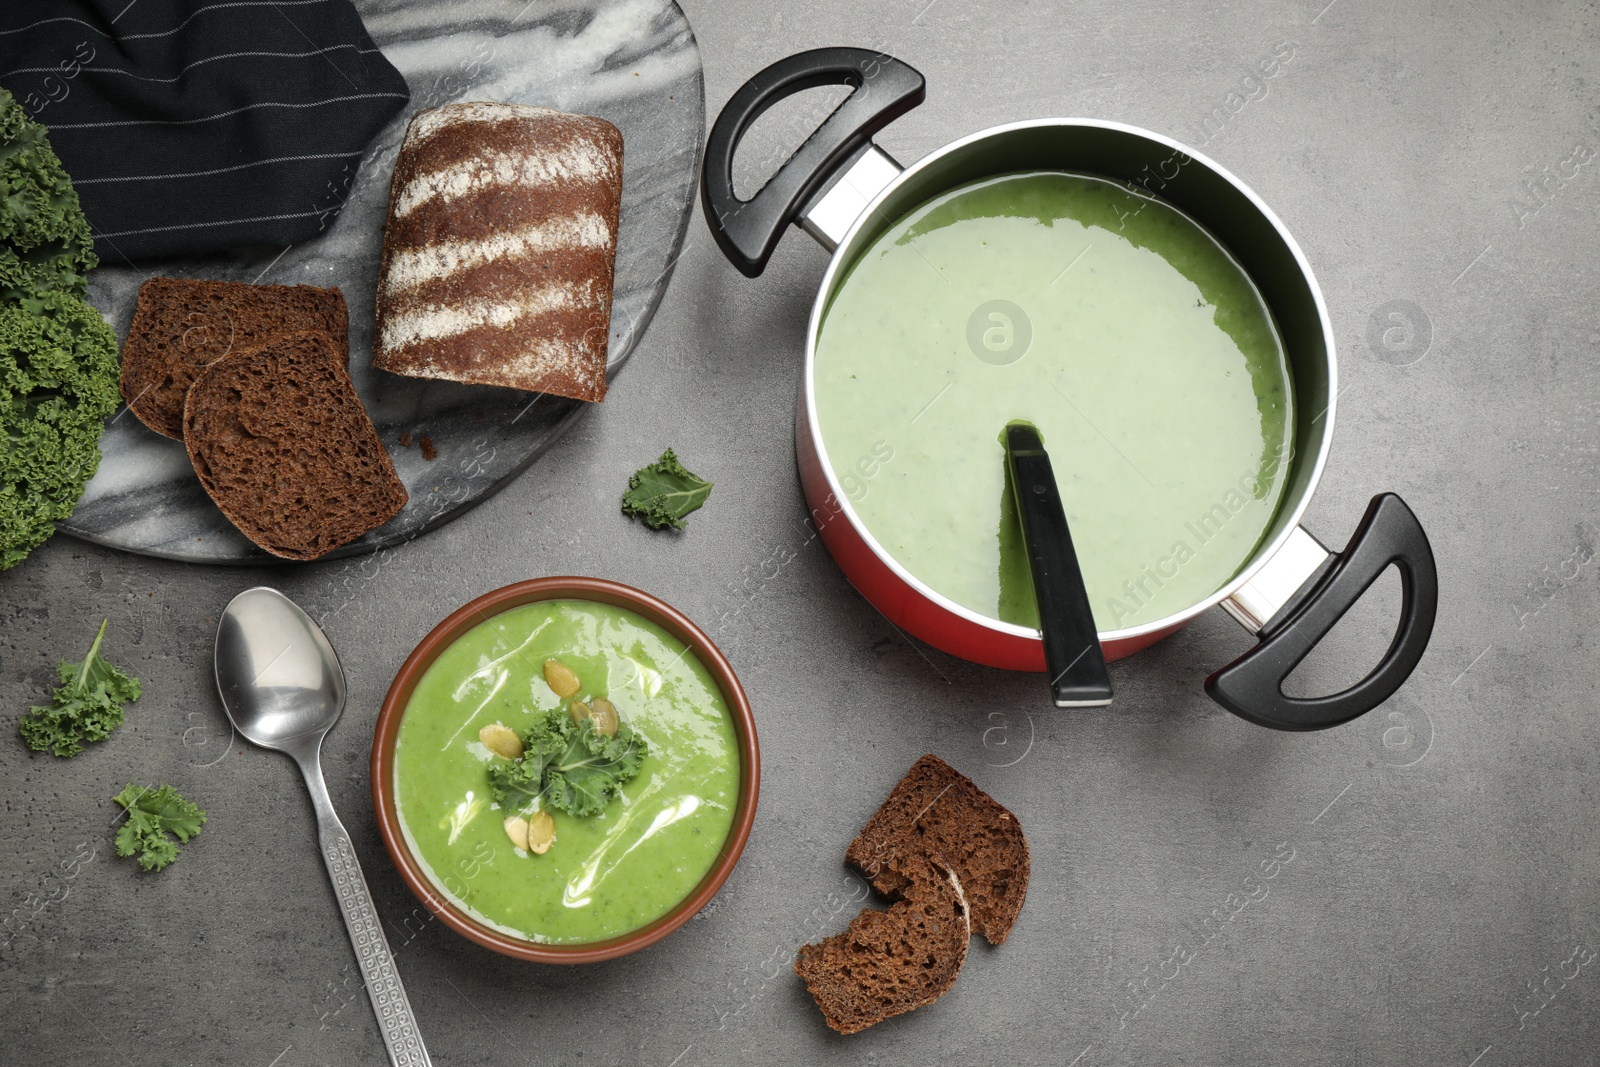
x,y
1417,886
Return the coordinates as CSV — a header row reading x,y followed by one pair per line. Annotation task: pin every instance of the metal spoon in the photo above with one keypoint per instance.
x,y
283,689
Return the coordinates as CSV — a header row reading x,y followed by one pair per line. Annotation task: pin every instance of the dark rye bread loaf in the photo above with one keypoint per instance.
x,y
889,962
279,438
936,809
500,248
183,325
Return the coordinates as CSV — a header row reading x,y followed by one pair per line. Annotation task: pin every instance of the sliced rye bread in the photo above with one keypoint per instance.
x,y
889,962
279,438
937,810
183,325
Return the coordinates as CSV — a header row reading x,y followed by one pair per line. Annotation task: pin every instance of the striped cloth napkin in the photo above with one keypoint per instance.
x,y
194,126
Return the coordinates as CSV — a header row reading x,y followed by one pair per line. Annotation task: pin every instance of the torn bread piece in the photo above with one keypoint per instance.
x,y
937,809
891,962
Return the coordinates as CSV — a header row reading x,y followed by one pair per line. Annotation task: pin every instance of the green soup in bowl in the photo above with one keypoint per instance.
x,y
605,881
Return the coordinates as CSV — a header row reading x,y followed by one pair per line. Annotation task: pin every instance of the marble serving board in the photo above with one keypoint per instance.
x,y
634,62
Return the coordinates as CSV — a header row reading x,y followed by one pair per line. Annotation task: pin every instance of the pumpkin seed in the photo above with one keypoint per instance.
x,y
580,711
541,832
605,718
517,830
501,740
560,678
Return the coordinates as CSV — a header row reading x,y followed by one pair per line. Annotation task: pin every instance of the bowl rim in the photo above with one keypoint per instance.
x,y
480,610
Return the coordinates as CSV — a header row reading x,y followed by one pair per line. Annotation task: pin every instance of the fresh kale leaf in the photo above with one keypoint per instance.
x,y
664,492
87,705
568,766
58,385
593,769
45,241
58,355
155,816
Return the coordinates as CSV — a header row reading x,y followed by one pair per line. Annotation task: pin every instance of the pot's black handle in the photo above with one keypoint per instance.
x,y
748,230
1252,685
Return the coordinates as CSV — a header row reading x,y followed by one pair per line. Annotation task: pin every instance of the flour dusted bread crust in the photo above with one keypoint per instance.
x,y
499,252
279,439
183,325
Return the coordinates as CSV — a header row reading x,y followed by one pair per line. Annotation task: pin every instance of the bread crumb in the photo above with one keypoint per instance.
x,y
405,439
429,453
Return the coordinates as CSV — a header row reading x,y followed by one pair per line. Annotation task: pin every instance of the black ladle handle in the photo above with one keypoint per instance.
x,y
1252,685
1078,676
747,231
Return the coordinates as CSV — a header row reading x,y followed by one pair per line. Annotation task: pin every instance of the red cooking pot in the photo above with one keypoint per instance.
x,y
845,191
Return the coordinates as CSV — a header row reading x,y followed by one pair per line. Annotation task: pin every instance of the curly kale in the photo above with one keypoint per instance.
x,y
44,238
87,705
568,766
155,816
661,494
58,385
58,356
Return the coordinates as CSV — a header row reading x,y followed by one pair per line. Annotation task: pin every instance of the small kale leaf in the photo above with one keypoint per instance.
x,y
664,492
87,704
568,766
155,816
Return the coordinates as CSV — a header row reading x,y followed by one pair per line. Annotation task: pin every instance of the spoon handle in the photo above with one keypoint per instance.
x,y
389,1004
1072,653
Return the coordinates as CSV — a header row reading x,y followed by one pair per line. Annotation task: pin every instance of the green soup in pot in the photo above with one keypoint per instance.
x,y
1110,320
605,874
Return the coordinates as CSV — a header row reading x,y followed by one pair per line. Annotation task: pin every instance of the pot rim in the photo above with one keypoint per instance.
x,y
483,608
1263,552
